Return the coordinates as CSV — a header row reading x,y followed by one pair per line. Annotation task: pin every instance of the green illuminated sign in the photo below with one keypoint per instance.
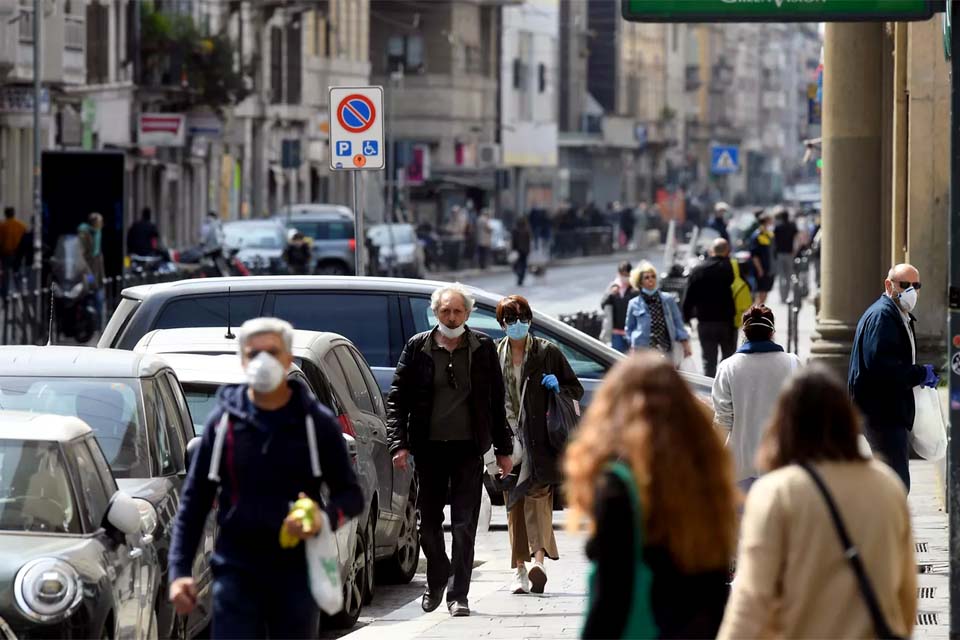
x,y
776,10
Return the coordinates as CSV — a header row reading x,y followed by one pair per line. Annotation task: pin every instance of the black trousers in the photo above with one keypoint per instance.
x,y
892,446
520,268
716,335
456,465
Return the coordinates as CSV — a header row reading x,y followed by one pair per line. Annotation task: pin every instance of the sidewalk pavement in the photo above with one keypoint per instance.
x,y
613,258
930,533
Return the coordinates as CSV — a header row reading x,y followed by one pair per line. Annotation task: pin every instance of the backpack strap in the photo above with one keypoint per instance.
x,y
312,445
219,440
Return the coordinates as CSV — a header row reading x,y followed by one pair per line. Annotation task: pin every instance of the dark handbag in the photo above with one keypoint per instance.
x,y
562,418
853,556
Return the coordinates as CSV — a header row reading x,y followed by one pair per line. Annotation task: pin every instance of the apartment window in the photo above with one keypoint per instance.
x,y
405,52
474,59
276,65
294,79
98,43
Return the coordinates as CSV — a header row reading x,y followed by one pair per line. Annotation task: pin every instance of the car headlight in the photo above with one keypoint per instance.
x,y
47,589
148,516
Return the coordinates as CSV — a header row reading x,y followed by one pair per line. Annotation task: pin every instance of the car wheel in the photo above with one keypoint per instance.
x,y
402,565
331,269
353,583
370,546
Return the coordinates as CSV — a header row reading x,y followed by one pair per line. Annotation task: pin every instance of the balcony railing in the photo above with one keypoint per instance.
x,y
25,25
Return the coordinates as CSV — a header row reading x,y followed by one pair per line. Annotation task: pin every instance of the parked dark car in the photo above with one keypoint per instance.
x,y
136,408
386,532
76,556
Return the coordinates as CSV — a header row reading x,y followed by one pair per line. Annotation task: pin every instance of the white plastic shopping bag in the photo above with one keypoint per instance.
x,y
322,565
690,365
929,435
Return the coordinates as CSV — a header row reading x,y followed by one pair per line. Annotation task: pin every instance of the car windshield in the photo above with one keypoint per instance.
x,y
253,236
202,400
35,490
110,406
402,234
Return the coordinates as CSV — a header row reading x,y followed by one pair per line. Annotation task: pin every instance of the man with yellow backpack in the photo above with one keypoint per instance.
x,y
710,299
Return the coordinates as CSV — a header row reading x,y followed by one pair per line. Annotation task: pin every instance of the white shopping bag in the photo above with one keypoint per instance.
x,y
929,435
690,365
322,565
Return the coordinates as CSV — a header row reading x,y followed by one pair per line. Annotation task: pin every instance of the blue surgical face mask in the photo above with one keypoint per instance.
x,y
518,330
650,292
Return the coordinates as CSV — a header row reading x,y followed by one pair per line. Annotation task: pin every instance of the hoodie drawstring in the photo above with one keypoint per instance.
x,y
312,444
218,442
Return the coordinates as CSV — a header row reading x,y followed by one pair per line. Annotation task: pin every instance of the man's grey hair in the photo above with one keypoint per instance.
x,y
456,287
260,326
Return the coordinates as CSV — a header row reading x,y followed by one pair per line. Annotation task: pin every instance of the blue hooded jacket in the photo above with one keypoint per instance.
x,y
262,469
882,374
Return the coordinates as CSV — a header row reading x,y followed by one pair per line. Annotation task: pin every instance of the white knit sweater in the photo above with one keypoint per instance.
x,y
745,392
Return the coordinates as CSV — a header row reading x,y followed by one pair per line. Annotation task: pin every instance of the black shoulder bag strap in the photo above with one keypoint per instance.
x,y
853,557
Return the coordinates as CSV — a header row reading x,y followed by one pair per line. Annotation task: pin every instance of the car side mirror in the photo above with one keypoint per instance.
x,y
192,447
123,514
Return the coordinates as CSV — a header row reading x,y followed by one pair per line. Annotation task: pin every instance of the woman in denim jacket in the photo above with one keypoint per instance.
x,y
654,320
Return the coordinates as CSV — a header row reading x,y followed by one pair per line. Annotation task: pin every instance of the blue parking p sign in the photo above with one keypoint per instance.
x,y
724,159
343,148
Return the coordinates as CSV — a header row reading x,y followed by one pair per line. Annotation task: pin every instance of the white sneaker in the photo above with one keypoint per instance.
x,y
538,576
521,583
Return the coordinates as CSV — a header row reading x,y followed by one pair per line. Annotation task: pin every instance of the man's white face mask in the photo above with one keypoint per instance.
x,y
908,299
264,373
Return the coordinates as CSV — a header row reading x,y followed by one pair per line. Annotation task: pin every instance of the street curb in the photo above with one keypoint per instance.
x,y
462,274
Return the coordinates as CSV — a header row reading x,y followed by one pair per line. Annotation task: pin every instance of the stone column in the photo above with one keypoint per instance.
x,y
851,252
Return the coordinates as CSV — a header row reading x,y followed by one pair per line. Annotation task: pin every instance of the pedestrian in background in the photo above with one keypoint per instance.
x,y
717,220
746,387
143,239
785,236
709,299
761,253
245,467
446,409
298,254
619,294
520,243
90,234
211,233
532,368
12,232
647,469
884,370
654,320
627,225
795,579
484,237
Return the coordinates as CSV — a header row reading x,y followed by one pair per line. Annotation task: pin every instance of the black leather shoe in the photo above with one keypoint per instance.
x,y
432,599
459,609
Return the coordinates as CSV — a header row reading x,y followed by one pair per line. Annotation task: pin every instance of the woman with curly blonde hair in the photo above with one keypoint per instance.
x,y
647,447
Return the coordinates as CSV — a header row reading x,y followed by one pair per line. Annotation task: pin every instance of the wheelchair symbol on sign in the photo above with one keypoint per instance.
x,y
370,147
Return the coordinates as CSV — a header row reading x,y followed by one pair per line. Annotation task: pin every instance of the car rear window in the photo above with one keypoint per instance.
x,y
209,311
362,318
324,229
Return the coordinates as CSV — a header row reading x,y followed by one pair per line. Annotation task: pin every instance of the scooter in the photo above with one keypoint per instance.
x,y
74,298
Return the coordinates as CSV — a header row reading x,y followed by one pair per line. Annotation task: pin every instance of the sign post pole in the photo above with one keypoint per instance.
x,y
360,237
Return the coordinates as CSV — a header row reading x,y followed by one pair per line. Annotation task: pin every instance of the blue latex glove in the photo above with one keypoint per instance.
x,y
550,382
932,378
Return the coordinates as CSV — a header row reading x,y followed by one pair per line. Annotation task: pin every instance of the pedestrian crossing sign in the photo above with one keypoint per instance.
x,y
724,159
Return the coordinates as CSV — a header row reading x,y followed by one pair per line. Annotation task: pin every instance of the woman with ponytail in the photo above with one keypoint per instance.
x,y
746,388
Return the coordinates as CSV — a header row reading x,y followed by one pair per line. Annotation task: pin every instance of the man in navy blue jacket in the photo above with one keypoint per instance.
x,y
266,444
884,369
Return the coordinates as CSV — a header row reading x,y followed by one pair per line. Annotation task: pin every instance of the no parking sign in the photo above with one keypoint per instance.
x,y
356,128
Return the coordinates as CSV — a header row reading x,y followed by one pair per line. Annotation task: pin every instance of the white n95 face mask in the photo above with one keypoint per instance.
x,y
908,299
264,373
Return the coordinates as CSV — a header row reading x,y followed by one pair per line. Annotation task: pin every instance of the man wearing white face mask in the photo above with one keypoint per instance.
x,y
268,443
445,409
884,370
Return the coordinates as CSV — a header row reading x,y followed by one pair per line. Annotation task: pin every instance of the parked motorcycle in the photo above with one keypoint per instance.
x,y
72,288
214,262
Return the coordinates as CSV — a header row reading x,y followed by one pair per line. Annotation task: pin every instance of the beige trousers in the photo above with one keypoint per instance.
x,y
530,526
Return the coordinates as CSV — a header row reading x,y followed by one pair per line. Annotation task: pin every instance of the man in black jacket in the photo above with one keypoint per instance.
x,y
445,408
709,298
884,370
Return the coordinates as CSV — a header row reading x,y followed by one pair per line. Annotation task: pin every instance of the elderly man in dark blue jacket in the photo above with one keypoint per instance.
x,y
884,369
266,444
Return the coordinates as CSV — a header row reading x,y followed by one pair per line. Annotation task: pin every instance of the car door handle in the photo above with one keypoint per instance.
x,y
135,553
